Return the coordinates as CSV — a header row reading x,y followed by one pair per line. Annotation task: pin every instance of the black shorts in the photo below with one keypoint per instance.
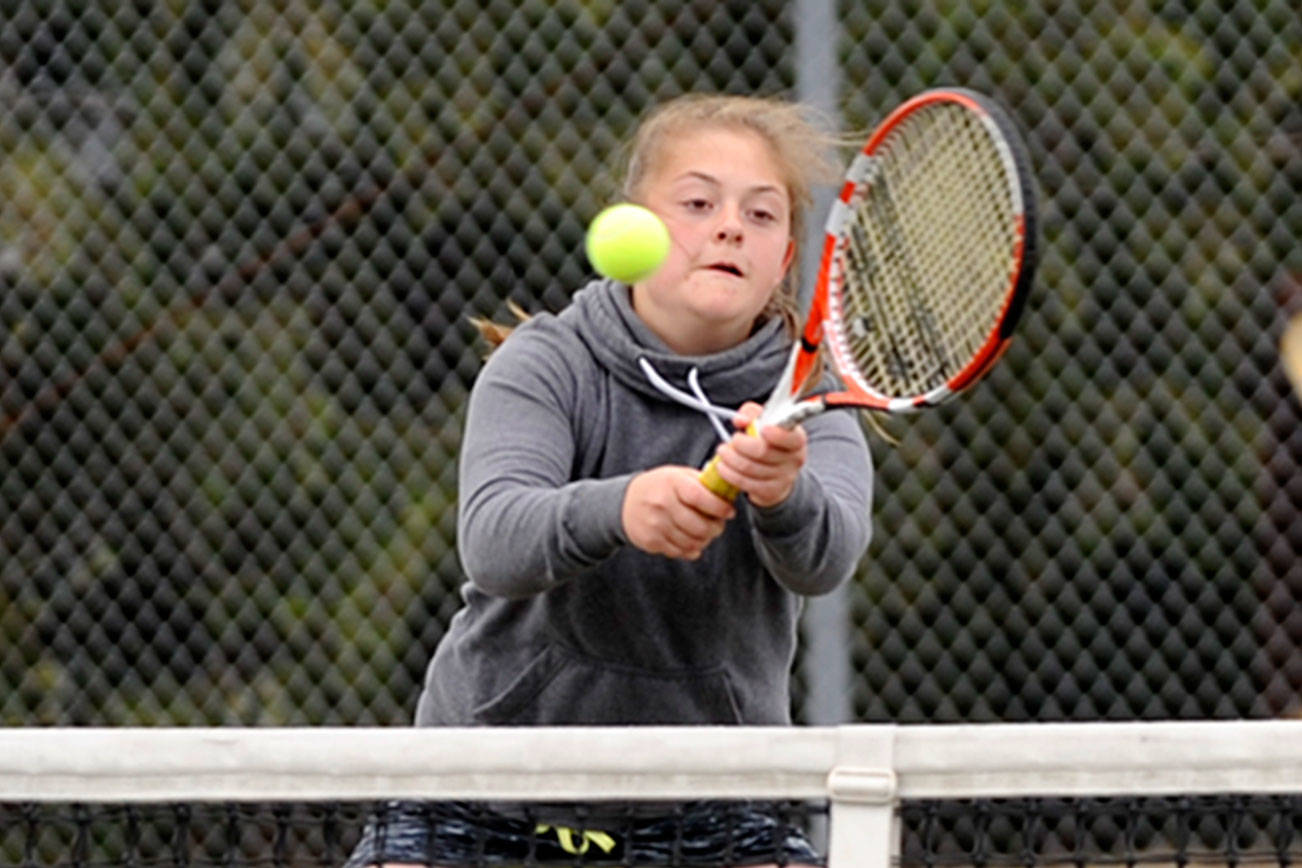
x,y
456,834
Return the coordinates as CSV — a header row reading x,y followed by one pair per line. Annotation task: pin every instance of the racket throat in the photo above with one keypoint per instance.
x,y
784,394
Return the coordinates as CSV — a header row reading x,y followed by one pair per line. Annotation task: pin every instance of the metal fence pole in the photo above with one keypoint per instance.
x,y
826,624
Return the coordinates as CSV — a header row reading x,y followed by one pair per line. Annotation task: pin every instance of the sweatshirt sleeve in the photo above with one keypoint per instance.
x,y
522,525
813,541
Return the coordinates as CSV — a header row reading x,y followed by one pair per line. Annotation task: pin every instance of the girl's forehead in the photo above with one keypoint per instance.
x,y
720,153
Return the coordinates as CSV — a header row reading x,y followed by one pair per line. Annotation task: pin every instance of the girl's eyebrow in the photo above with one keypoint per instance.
x,y
710,179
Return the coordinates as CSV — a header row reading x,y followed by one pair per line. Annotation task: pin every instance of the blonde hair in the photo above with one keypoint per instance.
x,y
805,154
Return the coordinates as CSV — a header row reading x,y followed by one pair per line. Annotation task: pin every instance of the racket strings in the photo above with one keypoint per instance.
x,y
928,252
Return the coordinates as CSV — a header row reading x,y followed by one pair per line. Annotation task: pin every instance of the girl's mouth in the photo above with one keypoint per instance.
x,y
726,268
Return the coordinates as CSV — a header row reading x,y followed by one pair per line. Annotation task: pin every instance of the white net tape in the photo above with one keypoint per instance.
x,y
865,773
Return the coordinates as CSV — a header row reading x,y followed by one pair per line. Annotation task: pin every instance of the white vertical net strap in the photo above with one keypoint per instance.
x,y
928,252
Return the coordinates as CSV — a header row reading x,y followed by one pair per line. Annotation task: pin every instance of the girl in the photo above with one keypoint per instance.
x,y
606,584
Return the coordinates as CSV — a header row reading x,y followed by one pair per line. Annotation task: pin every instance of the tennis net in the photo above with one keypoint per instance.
x,y
867,796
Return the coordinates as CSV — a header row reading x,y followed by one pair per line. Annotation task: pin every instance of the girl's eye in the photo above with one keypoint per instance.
x,y
762,216
697,204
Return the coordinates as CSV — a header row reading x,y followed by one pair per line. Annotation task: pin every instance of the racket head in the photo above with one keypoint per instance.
x,y
929,253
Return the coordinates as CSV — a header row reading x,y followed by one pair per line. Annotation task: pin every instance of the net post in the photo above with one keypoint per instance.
x,y
863,794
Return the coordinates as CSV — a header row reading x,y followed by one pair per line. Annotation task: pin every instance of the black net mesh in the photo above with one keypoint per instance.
x,y
367,835
1174,830
239,244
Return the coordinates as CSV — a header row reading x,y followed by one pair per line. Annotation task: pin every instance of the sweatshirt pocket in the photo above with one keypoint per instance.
x,y
560,687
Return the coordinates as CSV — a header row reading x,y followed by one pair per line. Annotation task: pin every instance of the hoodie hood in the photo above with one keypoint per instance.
x,y
602,316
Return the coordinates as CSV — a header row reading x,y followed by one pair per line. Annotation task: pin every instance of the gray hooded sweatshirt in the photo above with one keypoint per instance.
x,y
565,622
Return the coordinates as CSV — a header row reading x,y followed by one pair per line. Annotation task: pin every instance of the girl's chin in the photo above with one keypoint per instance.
x,y
725,303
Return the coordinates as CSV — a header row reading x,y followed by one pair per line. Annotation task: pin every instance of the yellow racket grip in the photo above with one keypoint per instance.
x,y
711,479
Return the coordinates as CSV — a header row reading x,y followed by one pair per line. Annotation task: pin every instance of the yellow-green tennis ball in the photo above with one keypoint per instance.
x,y
627,243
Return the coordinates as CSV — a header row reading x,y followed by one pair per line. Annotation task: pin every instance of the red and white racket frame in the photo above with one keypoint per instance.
x,y
825,317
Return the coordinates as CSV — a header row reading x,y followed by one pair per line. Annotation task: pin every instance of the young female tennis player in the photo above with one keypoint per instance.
x,y
606,584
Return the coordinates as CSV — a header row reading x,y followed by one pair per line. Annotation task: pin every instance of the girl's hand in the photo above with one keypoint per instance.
x,y
766,466
667,511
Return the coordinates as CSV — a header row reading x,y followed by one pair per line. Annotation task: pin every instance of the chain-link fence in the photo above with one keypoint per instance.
x,y
240,243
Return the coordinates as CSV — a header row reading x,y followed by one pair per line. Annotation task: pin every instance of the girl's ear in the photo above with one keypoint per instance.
x,y
789,255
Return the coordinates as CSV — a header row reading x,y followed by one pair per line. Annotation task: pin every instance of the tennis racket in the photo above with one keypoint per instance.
x,y
1290,352
927,260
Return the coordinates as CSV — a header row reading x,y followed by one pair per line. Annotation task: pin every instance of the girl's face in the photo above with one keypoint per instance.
x,y
722,195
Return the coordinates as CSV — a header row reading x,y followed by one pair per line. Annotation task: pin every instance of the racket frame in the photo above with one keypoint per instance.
x,y
825,319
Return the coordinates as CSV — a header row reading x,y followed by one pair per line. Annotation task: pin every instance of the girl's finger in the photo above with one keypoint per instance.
x,y
746,414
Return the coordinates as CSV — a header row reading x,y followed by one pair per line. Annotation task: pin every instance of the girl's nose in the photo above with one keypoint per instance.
x,y
729,228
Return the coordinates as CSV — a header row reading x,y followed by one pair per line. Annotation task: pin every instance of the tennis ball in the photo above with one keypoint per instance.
x,y
627,242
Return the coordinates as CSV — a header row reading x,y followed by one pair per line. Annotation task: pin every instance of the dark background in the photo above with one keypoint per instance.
x,y
240,243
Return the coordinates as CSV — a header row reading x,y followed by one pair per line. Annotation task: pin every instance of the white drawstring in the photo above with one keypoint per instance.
x,y
697,402
694,382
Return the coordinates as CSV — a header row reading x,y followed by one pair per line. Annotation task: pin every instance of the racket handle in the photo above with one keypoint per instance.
x,y
711,479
